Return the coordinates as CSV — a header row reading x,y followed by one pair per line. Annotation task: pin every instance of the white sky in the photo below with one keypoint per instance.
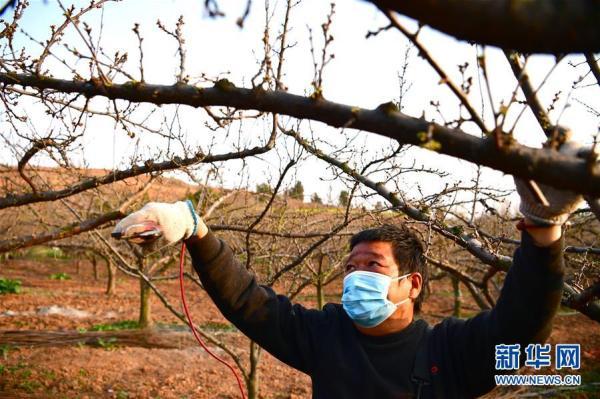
x,y
364,73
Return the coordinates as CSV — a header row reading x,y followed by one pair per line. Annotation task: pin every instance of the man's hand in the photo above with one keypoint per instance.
x,y
543,222
177,221
561,203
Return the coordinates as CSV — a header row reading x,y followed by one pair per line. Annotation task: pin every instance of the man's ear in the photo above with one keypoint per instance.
x,y
416,280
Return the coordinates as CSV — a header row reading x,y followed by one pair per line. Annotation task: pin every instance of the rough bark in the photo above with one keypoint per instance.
x,y
532,26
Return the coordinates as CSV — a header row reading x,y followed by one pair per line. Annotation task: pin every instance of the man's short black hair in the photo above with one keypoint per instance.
x,y
406,247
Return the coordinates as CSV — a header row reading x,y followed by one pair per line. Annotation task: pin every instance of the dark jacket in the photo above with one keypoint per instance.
x,y
343,363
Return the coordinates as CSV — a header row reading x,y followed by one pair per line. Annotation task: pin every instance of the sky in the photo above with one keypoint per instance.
x,y
363,73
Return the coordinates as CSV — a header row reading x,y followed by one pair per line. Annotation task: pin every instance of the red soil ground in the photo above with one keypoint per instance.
x,y
183,370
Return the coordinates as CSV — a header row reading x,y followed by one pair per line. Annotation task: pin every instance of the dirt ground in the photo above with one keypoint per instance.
x,y
174,366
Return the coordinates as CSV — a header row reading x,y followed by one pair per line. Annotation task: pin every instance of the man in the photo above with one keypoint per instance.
x,y
371,346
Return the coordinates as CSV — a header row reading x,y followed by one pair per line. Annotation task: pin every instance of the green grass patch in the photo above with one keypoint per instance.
x,y
29,386
17,367
116,326
60,276
44,252
108,344
8,286
48,374
25,373
216,327
21,324
4,350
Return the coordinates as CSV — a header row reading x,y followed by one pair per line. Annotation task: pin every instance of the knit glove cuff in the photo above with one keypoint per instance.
x,y
547,215
561,203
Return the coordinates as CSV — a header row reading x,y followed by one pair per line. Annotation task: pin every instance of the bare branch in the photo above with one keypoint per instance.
x,y
593,63
541,165
265,210
532,26
36,147
148,167
575,300
63,232
530,94
588,295
438,69
242,229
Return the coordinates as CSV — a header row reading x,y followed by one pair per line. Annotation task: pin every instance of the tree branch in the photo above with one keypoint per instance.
x,y
591,60
532,26
148,167
438,69
36,147
584,297
468,242
530,94
298,260
243,229
60,233
541,165
571,299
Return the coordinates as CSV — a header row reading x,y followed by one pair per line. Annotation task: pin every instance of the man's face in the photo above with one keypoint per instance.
x,y
378,257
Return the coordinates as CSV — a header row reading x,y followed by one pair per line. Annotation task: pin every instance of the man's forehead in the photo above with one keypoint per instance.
x,y
375,249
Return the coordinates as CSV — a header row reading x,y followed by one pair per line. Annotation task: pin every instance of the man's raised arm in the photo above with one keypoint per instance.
x,y
464,350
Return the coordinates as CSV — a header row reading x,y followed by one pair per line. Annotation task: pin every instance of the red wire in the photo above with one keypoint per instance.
x,y
191,324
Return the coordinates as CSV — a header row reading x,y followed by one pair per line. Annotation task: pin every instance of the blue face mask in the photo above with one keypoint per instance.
x,y
365,297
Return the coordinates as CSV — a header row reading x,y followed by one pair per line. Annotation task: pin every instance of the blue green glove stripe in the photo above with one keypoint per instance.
x,y
194,216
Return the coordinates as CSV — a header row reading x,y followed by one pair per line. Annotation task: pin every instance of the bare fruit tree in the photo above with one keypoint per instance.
x,y
59,90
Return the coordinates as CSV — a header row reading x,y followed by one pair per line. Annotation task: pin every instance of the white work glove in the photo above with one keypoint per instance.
x,y
176,221
561,202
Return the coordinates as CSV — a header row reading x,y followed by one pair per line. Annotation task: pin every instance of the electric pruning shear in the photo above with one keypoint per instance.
x,y
140,233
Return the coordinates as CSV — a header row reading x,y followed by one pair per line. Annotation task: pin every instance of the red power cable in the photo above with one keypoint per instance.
x,y
191,324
